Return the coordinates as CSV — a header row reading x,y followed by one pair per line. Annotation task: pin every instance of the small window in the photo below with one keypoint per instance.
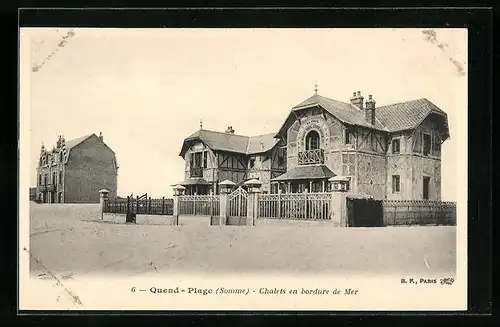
x,y
396,143
312,140
426,144
426,183
252,163
396,187
281,156
347,136
60,177
197,159
205,159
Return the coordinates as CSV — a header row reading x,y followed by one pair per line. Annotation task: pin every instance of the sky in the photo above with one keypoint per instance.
x,y
147,89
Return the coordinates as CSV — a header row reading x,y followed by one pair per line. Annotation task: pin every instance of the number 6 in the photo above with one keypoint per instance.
x,y
133,289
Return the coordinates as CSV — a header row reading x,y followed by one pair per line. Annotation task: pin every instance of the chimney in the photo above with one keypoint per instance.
x,y
230,130
100,136
357,100
370,110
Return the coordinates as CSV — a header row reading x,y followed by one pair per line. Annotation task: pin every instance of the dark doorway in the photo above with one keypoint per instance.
x,y
425,190
59,197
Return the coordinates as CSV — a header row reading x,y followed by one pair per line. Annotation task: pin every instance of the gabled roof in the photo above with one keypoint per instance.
x,y
74,142
407,115
306,172
390,118
219,141
345,112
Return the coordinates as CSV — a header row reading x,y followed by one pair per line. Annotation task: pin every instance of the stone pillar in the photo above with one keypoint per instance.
x,y
338,209
102,200
225,188
254,186
178,191
340,185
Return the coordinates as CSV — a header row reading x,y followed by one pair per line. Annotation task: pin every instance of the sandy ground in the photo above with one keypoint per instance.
x,y
71,240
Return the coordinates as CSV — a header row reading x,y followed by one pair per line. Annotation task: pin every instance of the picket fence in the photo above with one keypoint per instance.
x,y
199,205
419,213
283,206
295,206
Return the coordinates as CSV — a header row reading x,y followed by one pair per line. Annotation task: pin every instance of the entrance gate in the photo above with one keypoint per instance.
x,y
237,207
364,213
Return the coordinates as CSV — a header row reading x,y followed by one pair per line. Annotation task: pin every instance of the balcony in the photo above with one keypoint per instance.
x,y
311,157
42,188
196,172
51,187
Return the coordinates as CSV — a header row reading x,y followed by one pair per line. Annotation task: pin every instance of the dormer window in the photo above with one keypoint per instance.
x,y
252,163
312,140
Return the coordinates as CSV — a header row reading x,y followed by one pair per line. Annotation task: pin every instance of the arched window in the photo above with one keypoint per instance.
x,y
312,140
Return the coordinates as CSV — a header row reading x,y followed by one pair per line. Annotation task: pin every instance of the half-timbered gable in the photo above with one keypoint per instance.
x,y
212,157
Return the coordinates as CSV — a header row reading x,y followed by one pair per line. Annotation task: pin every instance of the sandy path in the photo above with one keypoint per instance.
x,y
69,240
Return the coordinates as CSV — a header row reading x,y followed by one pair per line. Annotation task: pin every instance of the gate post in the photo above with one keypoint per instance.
x,y
225,188
338,208
102,200
252,200
178,191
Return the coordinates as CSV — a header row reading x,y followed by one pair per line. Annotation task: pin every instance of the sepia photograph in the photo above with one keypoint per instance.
x,y
292,164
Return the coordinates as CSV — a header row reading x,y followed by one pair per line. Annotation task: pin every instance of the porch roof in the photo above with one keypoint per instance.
x,y
306,172
194,181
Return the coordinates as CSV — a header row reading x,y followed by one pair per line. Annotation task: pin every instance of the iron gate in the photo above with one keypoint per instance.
x,y
237,207
364,213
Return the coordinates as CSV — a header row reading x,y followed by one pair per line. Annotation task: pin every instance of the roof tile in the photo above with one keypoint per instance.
x,y
233,142
306,172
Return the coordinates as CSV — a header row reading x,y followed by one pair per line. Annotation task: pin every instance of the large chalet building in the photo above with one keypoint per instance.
x,y
390,152
74,171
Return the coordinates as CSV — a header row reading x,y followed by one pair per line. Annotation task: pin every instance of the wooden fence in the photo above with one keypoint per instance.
x,y
301,206
199,205
419,213
145,206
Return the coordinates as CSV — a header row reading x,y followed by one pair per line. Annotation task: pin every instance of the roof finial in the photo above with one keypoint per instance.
x,y
201,123
316,88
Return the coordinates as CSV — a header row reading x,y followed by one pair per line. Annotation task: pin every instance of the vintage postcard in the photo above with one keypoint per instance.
x,y
243,169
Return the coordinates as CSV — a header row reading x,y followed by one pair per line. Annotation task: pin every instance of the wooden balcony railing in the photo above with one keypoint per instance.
x,y
311,157
196,172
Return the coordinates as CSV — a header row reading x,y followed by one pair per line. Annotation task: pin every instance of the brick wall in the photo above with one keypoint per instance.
x,y
90,168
